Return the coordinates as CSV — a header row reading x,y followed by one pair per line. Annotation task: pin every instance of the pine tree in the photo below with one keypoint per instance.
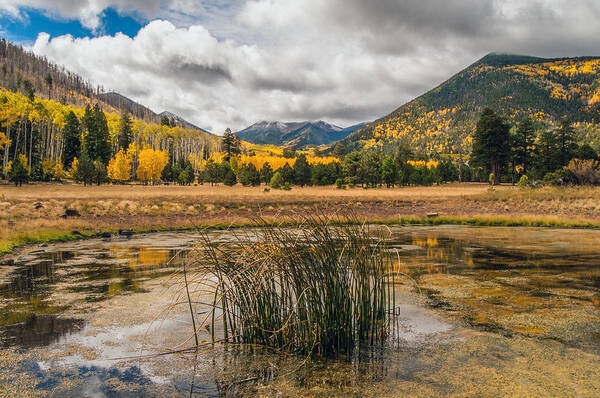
x,y
523,142
227,175
97,139
301,171
231,144
125,131
491,144
85,169
566,139
18,171
548,154
48,80
71,139
389,172
266,173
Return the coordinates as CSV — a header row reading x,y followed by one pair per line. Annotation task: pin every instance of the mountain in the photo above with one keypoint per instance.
x,y
295,134
443,119
20,68
179,120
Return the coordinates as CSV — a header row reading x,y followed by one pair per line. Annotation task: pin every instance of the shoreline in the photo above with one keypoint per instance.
x,y
11,247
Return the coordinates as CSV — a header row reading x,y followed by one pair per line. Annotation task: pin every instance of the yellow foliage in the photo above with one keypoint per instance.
x,y
119,167
151,164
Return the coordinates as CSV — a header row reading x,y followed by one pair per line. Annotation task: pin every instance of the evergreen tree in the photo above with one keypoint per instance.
x,y
164,121
99,172
227,175
339,150
97,139
125,132
167,173
48,80
231,144
85,169
351,167
186,177
523,142
249,175
28,90
370,168
212,173
548,154
18,171
491,144
287,174
71,139
301,171
389,172
266,173
566,140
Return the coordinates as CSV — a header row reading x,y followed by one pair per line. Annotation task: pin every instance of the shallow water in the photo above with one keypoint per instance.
x,y
486,312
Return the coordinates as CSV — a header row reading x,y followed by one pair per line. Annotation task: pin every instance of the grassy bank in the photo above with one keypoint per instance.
x,y
32,214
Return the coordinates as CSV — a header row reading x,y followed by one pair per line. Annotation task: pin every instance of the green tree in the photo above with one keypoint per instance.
x,y
85,169
389,172
276,181
186,176
227,175
370,168
249,175
351,167
339,150
566,140
491,143
266,173
28,90
231,144
301,171
48,80
97,138
287,173
18,171
523,142
447,171
125,136
212,173
548,153
100,175
71,139
168,174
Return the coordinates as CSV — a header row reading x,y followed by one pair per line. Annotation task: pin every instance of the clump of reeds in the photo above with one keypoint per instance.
x,y
322,289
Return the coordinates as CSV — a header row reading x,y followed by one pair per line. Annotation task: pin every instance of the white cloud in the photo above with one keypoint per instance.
x,y
229,63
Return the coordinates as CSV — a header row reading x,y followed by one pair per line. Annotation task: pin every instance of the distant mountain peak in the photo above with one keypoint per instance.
x,y
297,134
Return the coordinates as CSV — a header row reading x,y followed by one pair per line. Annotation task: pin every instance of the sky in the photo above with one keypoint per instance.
x,y
231,63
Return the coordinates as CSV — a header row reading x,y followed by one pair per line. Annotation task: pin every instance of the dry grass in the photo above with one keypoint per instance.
x,y
144,208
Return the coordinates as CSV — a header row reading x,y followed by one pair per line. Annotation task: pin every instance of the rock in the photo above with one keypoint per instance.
x,y
38,206
76,233
106,235
432,215
9,261
125,232
71,213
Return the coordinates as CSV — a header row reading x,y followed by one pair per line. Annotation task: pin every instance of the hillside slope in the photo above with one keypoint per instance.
x,y
443,119
295,134
18,68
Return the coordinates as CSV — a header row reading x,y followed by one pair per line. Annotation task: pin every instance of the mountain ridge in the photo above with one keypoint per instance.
x,y
443,119
295,134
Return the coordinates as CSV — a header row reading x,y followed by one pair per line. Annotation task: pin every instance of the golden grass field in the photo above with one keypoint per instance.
x,y
32,213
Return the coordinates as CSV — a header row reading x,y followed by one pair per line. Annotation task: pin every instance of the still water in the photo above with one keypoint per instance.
x,y
485,312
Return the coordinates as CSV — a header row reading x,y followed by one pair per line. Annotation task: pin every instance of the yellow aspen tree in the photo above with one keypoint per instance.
x,y
151,164
119,167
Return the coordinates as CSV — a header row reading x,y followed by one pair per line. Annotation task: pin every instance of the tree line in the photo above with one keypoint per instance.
x,y
530,152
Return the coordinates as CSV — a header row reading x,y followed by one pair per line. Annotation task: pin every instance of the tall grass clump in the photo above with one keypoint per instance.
x,y
319,289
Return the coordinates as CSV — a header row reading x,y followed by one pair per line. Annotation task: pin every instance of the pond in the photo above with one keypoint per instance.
x,y
484,312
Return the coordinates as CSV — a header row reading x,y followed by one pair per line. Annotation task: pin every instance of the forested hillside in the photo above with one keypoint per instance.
x,y
443,120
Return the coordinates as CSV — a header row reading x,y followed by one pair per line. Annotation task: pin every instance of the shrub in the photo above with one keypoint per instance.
x,y
276,181
523,182
560,177
339,183
586,172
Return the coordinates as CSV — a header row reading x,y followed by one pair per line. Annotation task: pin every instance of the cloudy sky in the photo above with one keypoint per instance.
x,y
230,63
